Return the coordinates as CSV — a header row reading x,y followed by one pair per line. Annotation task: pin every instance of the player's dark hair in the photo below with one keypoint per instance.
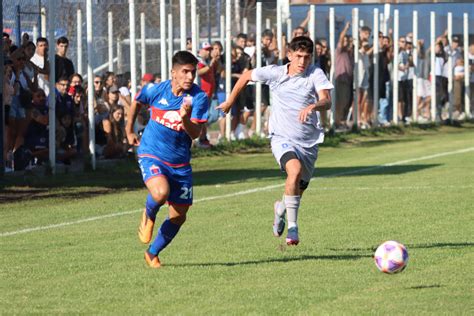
x,y
76,75
242,35
62,78
62,40
365,28
184,57
41,39
302,43
267,33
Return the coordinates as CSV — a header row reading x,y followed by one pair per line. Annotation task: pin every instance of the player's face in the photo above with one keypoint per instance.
x,y
39,97
299,60
241,42
62,86
61,49
118,115
41,48
183,75
266,41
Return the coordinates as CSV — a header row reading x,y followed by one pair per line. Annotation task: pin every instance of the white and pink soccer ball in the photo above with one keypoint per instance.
x,y
391,257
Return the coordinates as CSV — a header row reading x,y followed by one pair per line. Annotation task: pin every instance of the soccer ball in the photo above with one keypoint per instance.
x,y
391,257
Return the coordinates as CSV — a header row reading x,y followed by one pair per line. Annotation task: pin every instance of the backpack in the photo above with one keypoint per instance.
x,y
22,158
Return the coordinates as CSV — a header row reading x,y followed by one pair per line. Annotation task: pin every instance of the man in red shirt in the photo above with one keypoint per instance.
x,y
208,62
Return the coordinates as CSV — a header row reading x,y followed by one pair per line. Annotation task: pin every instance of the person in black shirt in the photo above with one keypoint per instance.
x,y
64,66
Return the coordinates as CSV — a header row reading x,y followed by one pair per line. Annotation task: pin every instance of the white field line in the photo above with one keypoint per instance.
x,y
216,197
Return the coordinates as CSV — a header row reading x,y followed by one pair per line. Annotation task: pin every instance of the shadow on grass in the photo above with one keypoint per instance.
x,y
273,260
416,246
126,177
213,177
423,287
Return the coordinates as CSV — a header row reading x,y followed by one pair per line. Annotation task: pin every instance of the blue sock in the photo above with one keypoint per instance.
x,y
152,207
166,233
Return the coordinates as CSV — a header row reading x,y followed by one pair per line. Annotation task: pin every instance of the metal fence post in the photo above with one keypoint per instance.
x,y
258,56
133,50
164,67
467,98
376,66
52,89
396,61
433,65
90,86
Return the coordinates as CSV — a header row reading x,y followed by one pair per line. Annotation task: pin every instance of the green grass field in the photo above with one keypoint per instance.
x,y
69,245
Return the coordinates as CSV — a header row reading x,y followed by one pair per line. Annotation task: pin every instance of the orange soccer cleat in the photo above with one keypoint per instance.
x,y
152,260
145,230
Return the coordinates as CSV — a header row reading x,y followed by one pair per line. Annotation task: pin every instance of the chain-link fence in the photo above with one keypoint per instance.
x,y
68,24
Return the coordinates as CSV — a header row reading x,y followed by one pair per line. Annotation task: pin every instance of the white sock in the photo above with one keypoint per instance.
x,y
292,204
281,207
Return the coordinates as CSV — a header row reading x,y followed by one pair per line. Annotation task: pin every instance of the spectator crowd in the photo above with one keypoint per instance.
x,y
26,90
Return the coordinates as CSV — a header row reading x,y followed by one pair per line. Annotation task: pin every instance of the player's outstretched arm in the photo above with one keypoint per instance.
x,y
132,138
239,86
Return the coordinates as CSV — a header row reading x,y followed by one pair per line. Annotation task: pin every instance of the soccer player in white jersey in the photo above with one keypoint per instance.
x,y
299,92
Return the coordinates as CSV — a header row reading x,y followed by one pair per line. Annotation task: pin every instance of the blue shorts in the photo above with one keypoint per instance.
x,y
180,179
17,110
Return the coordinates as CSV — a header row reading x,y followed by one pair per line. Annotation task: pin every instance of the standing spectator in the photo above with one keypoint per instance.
x,y
206,69
218,50
318,50
7,43
410,75
21,100
246,98
441,92
268,58
403,105
64,66
40,59
385,57
325,57
363,72
454,50
423,84
344,69
364,33
458,87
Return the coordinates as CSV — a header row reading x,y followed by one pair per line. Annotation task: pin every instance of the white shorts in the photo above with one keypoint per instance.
x,y
423,88
306,156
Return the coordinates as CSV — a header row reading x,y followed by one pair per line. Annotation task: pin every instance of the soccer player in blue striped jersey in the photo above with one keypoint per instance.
x,y
178,110
299,91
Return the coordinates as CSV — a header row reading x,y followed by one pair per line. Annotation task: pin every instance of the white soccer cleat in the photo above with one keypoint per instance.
x,y
292,237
